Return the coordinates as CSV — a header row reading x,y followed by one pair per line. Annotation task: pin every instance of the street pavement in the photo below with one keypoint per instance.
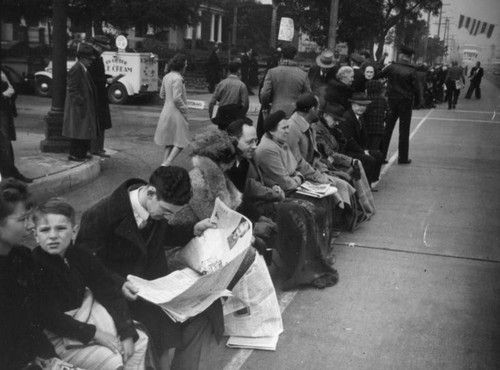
x,y
419,283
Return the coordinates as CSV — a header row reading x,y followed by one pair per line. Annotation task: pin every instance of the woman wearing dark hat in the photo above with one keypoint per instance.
x,y
281,167
355,132
80,109
173,130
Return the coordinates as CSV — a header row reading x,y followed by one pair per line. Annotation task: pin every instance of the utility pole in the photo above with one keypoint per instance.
x,y
426,41
54,141
332,31
274,19
439,23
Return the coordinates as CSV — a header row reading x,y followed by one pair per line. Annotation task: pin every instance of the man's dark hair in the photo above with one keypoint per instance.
x,y
234,67
172,184
289,51
235,129
12,191
305,102
177,62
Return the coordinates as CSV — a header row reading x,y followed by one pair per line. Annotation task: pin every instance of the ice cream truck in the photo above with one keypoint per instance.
x,y
134,74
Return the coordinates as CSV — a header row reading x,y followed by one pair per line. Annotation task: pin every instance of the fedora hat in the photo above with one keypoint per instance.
x,y
85,51
227,114
326,59
356,58
360,98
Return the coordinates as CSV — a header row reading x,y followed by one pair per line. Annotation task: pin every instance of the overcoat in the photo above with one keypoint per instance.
x,y
80,113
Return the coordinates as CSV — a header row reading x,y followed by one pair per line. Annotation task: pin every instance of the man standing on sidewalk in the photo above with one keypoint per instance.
x,y
476,75
231,90
100,79
401,88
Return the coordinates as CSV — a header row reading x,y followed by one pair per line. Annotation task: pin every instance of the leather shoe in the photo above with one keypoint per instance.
x,y
23,178
101,153
408,161
76,159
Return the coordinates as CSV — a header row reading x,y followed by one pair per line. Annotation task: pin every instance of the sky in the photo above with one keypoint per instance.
x,y
483,10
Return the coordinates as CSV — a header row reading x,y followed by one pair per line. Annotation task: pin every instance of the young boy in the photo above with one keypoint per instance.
x,y
84,313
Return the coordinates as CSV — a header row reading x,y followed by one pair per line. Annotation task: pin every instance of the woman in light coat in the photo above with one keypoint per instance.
x,y
172,130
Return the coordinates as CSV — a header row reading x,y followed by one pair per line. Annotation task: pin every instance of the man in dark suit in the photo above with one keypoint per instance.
x,y
246,59
359,78
354,130
476,75
129,231
401,89
80,113
100,79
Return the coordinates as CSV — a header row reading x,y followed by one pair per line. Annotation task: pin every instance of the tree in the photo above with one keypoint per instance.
x,y
362,23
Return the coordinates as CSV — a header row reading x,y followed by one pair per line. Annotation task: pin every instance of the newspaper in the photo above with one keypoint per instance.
x,y
212,260
316,190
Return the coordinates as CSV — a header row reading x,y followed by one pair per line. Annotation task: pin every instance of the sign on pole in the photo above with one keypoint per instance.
x,y
286,29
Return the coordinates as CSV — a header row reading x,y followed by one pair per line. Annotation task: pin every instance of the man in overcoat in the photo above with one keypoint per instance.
x,y
80,113
130,232
401,89
98,75
476,75
284,84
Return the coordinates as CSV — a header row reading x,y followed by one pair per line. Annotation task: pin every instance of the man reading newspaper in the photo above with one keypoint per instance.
x,y
129,231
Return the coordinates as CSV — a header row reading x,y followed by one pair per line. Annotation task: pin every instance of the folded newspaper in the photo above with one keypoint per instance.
x,y
212,260
316,190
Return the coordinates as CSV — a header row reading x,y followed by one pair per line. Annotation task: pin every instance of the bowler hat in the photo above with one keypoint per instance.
x,y
102,41
85,51
360,98
355,57
227,114
406,50
326,59
273,120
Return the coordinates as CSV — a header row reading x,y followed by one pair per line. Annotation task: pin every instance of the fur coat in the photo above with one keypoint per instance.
x,y
208,182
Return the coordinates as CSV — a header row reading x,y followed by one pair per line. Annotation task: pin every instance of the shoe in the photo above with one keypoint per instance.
x,y
408,161
23,178
101,153
76,159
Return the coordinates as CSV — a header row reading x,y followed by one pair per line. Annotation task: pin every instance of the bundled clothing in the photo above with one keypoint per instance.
x,y
63,283
21,335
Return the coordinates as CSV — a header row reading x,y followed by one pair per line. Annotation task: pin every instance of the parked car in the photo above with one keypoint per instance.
x,y
135,74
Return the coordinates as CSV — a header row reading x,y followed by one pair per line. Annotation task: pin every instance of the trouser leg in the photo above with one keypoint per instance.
x,y
391,122
97,144
78,147
197,335
404,130
478,92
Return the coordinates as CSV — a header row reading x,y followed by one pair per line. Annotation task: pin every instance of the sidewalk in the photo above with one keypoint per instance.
x,y
53,174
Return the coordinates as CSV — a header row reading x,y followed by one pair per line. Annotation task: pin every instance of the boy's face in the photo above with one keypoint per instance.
x,y
55,233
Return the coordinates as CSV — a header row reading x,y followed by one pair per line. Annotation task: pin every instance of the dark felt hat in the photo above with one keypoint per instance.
x,y
305,102
360,98
273,120
326,59
355,57
85,51
102,41
406,50
227,114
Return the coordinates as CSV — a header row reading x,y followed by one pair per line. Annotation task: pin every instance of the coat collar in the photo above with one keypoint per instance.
x,y
301,122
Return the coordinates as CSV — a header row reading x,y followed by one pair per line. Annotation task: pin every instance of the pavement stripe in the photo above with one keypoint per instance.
x,y
240,357
464,120
395,155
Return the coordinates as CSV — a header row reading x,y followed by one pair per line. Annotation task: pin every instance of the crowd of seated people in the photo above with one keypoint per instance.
x,y
74,287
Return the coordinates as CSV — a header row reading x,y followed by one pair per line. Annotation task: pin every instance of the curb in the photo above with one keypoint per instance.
x,y
61,182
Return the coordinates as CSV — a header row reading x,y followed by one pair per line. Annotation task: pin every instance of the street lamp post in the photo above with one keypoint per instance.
x,y
54,141
332,32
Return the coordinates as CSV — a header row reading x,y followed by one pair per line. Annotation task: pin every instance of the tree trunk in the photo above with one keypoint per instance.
x,y
272,41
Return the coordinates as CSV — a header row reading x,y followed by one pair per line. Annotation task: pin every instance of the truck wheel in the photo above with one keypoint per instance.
x,y
43,86
117,93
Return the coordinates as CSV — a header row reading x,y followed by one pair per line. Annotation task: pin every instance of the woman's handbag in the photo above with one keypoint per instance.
x,y
459,84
